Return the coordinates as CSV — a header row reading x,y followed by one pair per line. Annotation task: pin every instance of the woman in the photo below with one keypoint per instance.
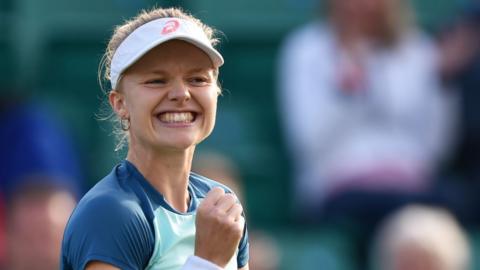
x,y
363,107
151,212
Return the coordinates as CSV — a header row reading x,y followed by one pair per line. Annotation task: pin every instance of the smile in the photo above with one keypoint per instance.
x,y
177,117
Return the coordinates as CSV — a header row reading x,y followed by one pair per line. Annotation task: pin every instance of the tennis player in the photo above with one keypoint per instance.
x,y
151,211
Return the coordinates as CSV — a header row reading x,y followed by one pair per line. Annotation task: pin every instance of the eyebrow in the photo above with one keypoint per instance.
x,y
158,72
193,70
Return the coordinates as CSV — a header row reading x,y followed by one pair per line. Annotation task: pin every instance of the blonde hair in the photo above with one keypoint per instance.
x,y
399,18
120,33
433,230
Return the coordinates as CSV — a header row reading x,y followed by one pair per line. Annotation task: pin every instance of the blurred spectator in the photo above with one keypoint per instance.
x,y
34,142
264,253
2,232
363,107
40,180
421,238
37,215
460,70
459,67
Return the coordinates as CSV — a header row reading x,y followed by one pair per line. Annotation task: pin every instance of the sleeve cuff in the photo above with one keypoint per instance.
x,y
197,263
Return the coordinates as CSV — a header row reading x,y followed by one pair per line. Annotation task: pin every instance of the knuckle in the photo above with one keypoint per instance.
x,y
227,224
239,208
217,190
241,219
229,199
217,213
203,209
230,196
238,230
219,221
241,222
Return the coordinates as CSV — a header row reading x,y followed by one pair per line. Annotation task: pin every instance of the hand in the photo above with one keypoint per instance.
x,y
219,227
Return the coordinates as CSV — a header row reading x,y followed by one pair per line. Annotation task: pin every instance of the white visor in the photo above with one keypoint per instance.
x,y
151,34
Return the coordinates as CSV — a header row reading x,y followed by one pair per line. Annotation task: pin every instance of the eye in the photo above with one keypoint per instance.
x,y
199,80
156,81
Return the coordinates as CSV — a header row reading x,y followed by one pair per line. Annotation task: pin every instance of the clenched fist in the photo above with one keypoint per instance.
x,y
219,227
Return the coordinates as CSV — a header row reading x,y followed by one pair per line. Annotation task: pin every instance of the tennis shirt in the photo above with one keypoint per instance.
x,y
124,221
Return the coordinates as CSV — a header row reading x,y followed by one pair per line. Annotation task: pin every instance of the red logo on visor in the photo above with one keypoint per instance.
x,y
170,27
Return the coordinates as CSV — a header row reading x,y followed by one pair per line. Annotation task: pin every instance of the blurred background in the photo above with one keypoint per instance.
x,y
300,82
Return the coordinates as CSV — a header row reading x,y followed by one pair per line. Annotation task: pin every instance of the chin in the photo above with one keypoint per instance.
x,y
177,143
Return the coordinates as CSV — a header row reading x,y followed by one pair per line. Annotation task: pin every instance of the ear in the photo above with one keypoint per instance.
x,y
117,101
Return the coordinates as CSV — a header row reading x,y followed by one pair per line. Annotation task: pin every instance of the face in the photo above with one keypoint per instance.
x,y
361,13
412,257
170,96
36,229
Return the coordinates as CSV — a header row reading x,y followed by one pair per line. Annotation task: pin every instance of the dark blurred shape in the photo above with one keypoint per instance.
x,y
364,112
36,218
264,252
419,237
3,233
35,143
460,70
40,179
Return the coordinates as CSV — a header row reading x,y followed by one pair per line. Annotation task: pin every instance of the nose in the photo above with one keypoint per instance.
x,y
179,92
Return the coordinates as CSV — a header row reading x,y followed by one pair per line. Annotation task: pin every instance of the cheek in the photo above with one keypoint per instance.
x,y
140,105
212,104
209,104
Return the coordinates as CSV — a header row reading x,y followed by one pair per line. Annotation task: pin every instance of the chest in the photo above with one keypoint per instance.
x,y
175,241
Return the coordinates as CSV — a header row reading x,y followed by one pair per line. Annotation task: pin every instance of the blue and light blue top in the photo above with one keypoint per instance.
x,y
124,221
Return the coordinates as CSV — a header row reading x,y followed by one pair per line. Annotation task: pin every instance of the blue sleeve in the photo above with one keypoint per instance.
x,y
243,247
107,230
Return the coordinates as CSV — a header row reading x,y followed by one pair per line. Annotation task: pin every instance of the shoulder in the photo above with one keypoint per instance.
x,y
313,30
113,199
308,36
418,38
109,223
305,45
419,46
109,196
201,185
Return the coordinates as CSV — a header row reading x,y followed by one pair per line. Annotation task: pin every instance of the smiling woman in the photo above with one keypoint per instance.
x,y
170,103
151,211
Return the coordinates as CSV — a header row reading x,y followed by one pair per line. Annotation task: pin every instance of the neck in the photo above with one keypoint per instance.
x,y
167,172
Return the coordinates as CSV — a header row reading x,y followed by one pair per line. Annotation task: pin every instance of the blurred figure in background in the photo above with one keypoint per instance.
x,y
264,252
35,142
421,238
363,108
36,218
40,180
460,70
3,233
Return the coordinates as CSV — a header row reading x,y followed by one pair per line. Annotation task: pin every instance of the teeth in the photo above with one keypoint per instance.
x,y
178,117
